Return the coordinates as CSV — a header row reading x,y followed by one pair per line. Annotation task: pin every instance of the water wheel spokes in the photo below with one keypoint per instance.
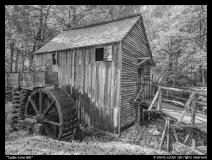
x,y
55,110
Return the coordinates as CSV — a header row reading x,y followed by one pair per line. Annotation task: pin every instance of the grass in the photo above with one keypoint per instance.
x,y
136,140
94,143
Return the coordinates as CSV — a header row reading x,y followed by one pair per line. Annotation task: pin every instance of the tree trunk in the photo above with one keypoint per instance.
x,y
17,59
11,55
23,56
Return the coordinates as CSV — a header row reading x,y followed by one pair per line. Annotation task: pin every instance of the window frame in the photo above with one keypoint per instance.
x,y
54,57
105,49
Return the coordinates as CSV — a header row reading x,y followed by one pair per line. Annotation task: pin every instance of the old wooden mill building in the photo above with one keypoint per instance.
x,y
99,66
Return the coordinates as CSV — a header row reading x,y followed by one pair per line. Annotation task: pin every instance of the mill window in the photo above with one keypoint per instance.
x,y
99,54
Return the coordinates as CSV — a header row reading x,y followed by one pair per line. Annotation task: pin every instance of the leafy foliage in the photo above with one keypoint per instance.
x,y
177,34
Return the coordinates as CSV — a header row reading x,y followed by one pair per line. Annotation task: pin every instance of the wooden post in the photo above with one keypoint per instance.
x,y
193,113
148,113
143,114
193,110
163,136
168,135
160,100
144,91
186,106
194,144
155,98
175,134
139,113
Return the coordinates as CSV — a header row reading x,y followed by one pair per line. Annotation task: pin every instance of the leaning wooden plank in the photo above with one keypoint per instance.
x,y
187,105
138,94
141,62
188,136
156,96
163,136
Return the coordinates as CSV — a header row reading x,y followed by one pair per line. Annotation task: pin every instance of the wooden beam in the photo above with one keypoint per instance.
x,y
144,58
183,90
150,107
174,102
142,62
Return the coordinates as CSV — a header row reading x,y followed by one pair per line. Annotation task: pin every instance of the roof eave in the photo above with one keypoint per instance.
x,y
77,47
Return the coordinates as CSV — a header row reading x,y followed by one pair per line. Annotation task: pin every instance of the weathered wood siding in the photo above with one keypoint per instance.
x,y
95,86
134,45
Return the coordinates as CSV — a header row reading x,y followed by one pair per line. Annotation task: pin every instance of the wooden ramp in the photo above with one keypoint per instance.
x,y
175,112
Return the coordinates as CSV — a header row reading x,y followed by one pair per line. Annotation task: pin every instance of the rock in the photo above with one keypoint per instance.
x,y
181,149
151,130
156,133
202,149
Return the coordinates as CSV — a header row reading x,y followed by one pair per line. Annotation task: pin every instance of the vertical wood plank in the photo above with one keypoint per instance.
x,y
168,135
112,88
82,70
160,99
100,96
109,95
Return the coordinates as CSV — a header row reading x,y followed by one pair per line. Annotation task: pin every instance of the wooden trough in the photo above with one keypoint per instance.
x,y
31,79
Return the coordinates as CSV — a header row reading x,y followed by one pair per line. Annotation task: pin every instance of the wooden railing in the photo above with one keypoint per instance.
x,y
162,94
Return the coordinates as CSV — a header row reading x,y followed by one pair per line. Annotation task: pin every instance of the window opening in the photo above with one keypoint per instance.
x,y
54,59
99,54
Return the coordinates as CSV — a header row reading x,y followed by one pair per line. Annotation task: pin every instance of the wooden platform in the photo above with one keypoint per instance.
x,y
175,112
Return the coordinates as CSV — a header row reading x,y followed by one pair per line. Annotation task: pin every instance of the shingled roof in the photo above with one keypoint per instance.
x,y
102,33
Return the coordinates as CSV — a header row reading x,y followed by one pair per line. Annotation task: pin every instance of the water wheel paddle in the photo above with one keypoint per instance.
x,y
55,110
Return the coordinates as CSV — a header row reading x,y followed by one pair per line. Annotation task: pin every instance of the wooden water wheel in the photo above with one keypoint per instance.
x,y
55,110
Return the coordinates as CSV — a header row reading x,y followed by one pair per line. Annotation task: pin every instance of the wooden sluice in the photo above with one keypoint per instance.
x,y
185,116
